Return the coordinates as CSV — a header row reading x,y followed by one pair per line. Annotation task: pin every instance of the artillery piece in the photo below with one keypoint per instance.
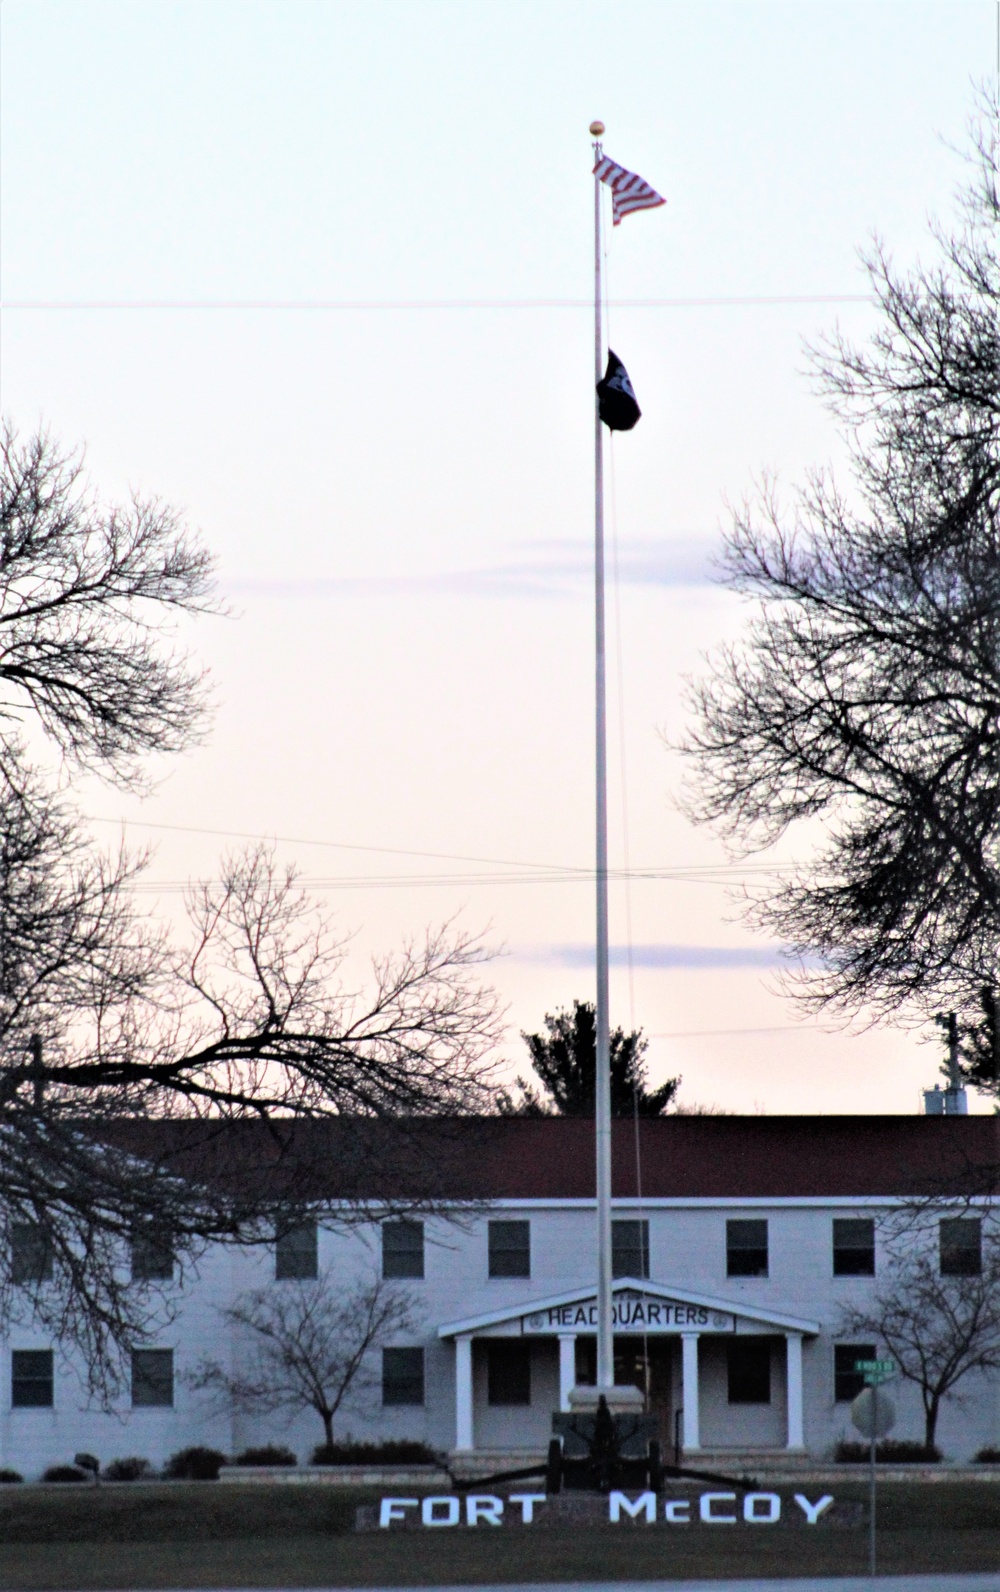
x,y
599,1451
604,1452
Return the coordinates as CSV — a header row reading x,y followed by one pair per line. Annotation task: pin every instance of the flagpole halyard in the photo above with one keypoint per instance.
x,y
602,1080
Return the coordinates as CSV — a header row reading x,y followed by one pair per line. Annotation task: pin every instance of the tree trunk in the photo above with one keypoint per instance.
x,y
930,1420
327,1418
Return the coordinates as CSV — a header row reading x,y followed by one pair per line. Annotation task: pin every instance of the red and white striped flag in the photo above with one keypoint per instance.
x,y
628,190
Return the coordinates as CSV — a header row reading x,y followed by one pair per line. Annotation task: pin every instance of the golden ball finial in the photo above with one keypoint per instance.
x,y
596,129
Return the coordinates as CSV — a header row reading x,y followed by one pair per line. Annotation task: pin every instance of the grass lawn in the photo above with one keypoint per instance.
x,y
204,1535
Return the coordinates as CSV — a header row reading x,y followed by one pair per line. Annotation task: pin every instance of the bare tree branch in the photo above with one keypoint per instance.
x,y
310,1346
85,590
937,1328
132,1071
865,691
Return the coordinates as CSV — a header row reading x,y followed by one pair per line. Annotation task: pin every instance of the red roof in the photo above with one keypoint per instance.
x,y
553,1157
745,1157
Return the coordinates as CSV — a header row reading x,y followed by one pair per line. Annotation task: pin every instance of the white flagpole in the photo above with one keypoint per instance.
x,y
602,1100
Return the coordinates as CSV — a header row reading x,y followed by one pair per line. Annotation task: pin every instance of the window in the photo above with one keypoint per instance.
x,y
508,1371
510,1249
749,1370
30,1253
402,1376
586,1361
853,1247
402,1249
296,1253
31,1379
152,1256
152,1378
847,1382
630,1249
961,1240
746,1249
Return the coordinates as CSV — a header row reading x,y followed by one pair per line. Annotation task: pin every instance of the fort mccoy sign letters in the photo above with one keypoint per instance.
x,y
530,1508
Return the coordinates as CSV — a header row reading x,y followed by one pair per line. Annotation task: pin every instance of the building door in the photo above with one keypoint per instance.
x,y
646,1363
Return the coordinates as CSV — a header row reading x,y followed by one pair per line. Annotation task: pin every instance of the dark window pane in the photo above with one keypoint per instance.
x,y
152,1378
30,1253
630,1249
402,1376
510,1249
152,1256
746,1249
508,1367
961,1246
31,1379
296,1253
586,1361
402,1249
847,1382
853,1247
749,1370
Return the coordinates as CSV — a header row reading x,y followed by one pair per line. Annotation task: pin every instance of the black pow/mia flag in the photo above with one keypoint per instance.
x,y
616,403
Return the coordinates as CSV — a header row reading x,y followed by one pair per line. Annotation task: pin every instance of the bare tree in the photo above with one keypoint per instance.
x,y
85,591
937,1327
202,1092
865,691
150,1089
310,1345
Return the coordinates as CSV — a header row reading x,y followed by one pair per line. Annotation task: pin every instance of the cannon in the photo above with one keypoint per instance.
x,y
599,1451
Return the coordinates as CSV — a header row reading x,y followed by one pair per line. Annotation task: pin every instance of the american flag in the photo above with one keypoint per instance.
x,y
628,191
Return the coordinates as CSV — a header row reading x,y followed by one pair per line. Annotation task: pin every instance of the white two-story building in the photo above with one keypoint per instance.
x,y
739,1243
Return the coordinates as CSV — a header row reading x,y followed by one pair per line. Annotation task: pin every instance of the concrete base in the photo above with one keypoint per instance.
x,y
335,1475
468,1464
622,1400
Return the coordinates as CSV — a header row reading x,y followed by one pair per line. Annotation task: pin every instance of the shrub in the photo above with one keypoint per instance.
x,y
988,1456
130,1469
891,1451
9,1476
65,1473
270,1454
401,1452
195,1464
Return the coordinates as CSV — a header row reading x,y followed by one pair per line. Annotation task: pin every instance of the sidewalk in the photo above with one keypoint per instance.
x,y
987,1582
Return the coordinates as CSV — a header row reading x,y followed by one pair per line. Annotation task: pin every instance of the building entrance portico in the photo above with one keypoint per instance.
x,y
668,1340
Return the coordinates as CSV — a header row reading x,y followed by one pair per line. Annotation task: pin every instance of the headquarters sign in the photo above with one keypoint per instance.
x,y
633,1312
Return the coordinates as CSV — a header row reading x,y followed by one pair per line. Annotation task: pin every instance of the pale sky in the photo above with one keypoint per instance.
x,y
389,445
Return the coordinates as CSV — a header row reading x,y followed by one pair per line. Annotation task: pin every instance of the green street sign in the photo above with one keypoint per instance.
x,y
875,1371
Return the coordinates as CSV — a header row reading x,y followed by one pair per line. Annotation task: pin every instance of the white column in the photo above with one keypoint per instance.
x,y
463,1393
689,1377
793,1349
567,1367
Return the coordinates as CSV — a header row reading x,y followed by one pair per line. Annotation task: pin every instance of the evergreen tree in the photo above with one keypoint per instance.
x,y
564,1060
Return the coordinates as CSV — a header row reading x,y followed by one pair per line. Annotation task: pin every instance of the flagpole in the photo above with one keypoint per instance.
x,y
602,1081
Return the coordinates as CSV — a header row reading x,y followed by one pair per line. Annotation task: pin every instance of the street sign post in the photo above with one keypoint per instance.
x,y
874,1415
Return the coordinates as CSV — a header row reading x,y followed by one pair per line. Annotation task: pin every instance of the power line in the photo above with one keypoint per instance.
x,y
350,306
455,880
543,871
336,845
778,1028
